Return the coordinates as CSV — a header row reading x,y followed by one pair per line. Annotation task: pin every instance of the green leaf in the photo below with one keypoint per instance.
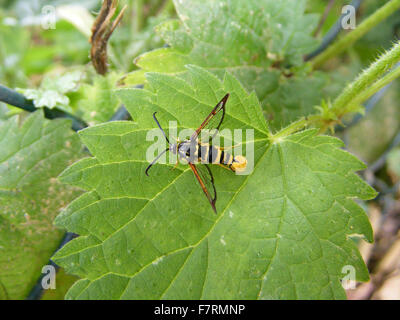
x,y
52,92
97,101
31,157
3,112
12,52
63,283
254,40
284,231
295,97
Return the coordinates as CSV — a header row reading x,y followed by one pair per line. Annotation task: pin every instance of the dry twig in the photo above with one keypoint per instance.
x,y
102,30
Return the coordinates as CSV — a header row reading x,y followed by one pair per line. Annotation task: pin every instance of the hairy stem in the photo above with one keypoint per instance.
x,y
369,23
292,128
378,85
366,79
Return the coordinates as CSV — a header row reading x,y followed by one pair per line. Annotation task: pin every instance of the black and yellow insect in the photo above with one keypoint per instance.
x,y
194,151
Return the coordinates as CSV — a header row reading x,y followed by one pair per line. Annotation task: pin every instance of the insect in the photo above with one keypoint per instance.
x,y
194,151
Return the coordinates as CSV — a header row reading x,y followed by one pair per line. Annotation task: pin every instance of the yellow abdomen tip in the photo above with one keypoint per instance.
x,y
240,164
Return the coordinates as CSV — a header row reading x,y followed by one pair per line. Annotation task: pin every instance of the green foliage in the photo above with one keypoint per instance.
x,y
64,43
3,112
52,91
32,155
12,52
381,38
394,163
64,282
299,96
127,45
284,231
28,50
369,138
254,40
97,101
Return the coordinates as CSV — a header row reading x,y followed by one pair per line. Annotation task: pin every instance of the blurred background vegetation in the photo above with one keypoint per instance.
x,y
33,57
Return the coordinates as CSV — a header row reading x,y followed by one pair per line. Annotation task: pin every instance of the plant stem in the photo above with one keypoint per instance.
x,y
365,79
18,100
293,127
332,34
139,15
369,23
378,85
324,16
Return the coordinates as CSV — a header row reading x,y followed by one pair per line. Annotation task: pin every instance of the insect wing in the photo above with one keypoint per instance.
x,y
214,119
204,176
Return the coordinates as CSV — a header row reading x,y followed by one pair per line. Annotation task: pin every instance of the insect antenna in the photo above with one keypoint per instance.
x,y
155,160
158,124
166,138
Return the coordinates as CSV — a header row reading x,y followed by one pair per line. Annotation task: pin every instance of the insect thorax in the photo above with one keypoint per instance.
x,y
187,150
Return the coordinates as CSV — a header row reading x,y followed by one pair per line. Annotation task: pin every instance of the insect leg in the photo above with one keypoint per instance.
x,y
154,161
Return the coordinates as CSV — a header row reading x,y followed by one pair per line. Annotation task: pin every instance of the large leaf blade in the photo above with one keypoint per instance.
x,y
262,43
157,237
32,155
